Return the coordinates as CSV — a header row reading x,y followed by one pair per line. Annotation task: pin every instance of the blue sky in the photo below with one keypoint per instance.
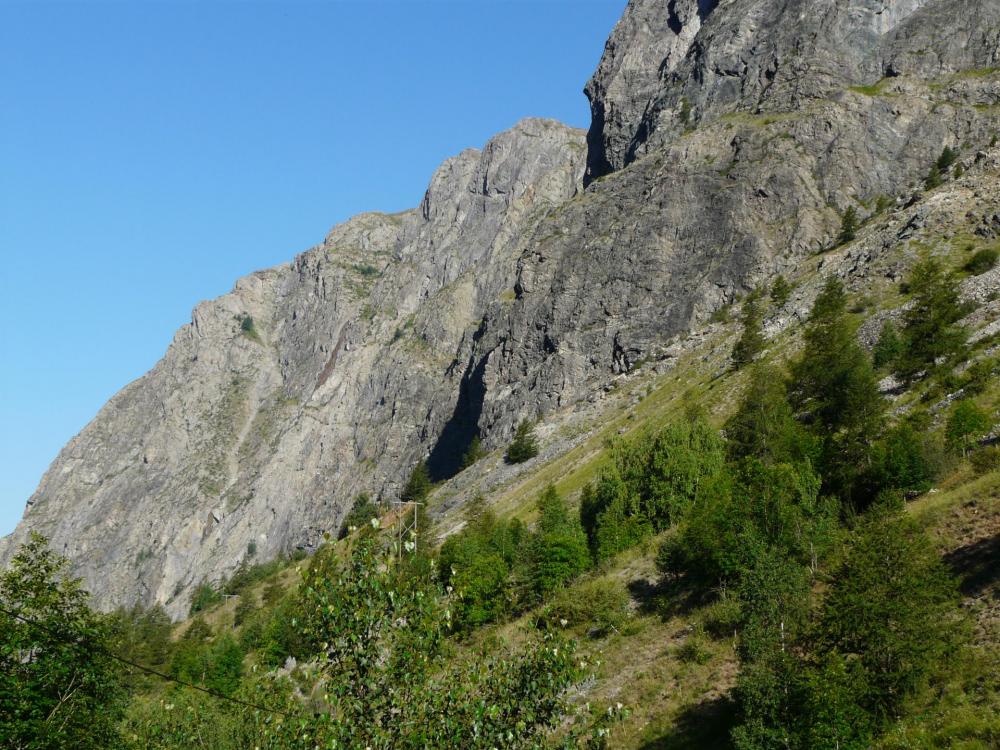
x,y
153,152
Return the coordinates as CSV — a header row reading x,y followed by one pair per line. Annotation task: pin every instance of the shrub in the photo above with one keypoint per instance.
x,y
931,328
362,512
834,384
934,178
984,260
966,424
905,460
776,506
598,607
477,563
524,446
948,157
59,688
694,649
979,375
985,460
558,549
896,627
652,481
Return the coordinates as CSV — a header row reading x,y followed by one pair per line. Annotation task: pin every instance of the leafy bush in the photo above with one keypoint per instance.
x,y
597,607
362,512
985,460
966,424
477,563
59,688
557,551
905,460
984,260
653,480
524,446
694,649
776,506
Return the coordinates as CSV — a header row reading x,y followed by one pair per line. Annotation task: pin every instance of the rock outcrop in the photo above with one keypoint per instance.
x,y
727,138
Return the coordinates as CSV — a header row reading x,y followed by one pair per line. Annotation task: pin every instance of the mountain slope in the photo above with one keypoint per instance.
x,y
727,140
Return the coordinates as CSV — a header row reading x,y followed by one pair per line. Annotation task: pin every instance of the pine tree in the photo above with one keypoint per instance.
x,y
848,226
834,383
751,342
473,453
888,348
781,290
931,329
524,446
764,426
418,486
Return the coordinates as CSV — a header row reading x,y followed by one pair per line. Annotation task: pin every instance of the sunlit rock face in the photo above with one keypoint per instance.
x,y
727,138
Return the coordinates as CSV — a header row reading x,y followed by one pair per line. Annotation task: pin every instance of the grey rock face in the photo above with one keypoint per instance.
x,y
263,432
672,64
730,138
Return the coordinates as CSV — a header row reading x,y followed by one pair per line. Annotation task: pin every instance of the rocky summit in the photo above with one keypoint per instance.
x,y
727,139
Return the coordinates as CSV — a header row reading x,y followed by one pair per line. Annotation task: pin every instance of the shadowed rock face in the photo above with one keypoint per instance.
x,y
727,139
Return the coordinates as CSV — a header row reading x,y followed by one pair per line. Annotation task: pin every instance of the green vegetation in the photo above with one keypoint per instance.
x,y
849,223
984,260
362,512
473,453
751,342
781,291
769,584
651,482
418,485
248,328
966,424
888,348
933,336
59,688
524,446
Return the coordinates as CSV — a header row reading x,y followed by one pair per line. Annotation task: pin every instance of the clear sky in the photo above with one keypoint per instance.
x,y
153,152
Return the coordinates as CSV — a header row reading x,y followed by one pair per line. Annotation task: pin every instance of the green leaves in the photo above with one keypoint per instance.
x,y
58,686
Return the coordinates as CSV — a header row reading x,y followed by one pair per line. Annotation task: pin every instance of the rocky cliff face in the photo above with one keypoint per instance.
x,y
727,137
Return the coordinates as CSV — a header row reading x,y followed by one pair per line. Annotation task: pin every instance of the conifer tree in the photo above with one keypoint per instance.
x,y
781,290
751,342
524,446
931,328
418,486
848,226
888,348
833,382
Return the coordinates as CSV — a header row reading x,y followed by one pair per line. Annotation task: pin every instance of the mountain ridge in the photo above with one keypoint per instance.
x,y
510,291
